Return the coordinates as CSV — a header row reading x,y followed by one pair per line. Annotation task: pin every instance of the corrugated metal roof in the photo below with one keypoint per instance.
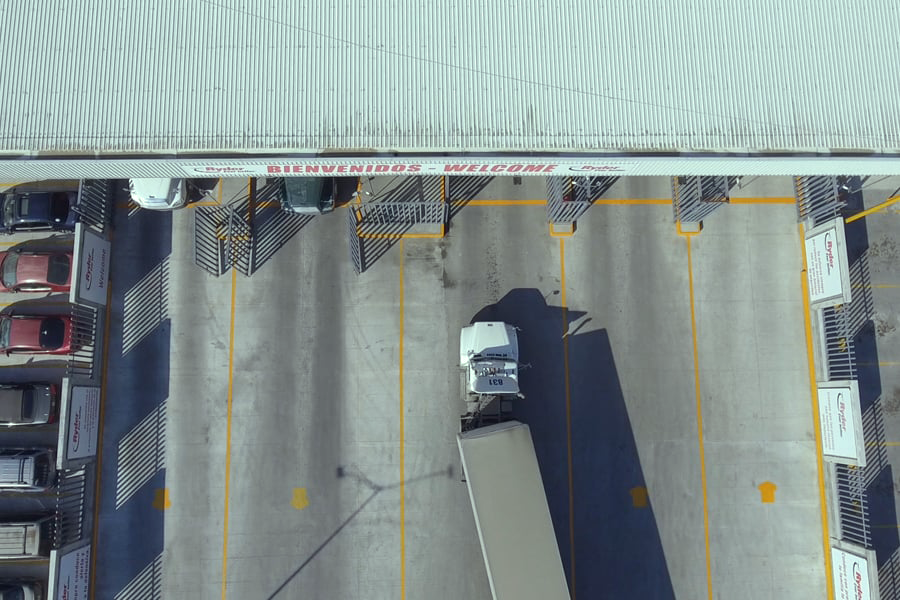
x,y
89,76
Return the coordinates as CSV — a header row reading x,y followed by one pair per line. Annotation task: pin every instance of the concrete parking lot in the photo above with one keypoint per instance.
x,y
307,415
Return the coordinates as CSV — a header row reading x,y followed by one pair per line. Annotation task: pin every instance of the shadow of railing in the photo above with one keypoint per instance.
x,y
460,190
869,328
610,534
146,306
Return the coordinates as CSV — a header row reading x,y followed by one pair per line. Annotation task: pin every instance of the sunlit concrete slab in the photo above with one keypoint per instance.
x,y
765,515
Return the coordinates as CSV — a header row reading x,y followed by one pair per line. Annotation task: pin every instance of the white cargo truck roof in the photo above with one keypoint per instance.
x,y
511,513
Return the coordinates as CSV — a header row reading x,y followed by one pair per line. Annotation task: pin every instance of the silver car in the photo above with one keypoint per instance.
x,y
27,403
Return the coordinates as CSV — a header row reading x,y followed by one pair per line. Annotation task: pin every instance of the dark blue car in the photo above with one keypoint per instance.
x,y
38,211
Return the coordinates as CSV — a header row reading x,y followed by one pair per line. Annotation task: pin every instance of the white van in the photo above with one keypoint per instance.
x,y
26,539
158,194
27,469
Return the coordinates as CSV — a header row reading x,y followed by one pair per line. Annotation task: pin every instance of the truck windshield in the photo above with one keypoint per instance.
x,y
8,269
9,210
4,332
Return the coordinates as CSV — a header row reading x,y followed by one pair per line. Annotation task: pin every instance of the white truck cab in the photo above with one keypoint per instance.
x,y
489,354
158,194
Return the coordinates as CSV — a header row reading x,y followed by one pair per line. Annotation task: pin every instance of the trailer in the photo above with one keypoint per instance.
x,y
511,513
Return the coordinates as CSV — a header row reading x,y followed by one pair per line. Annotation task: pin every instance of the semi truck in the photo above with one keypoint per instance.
x,y
501,471
512,517
489,359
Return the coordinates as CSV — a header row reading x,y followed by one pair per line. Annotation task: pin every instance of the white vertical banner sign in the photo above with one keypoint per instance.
x,y
73,577
91,275
827,271
840,420
83,422
854,572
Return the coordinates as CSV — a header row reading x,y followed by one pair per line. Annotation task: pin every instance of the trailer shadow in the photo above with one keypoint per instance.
x,y
604,521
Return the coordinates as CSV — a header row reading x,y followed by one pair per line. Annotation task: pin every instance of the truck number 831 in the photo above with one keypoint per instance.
x,y
495,382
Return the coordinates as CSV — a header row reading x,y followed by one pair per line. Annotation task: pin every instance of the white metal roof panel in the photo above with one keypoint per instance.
x,y
514,525
287,76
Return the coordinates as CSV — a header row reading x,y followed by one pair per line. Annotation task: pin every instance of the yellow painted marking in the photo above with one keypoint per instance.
x,y
161,499
565,324
709,588
228,434
772,200
874,209
498,202
399,236
882,443
639,496
767,492
817,426
632,201
561,233
875,286
299,499
100,421
402,445
680,231
842,344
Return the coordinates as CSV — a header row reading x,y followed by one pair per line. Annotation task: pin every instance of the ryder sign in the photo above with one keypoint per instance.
x,y
827,271
318,168
91,275
841,422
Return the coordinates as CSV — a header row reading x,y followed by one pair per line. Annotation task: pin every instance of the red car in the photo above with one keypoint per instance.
x,y
38,271
36,334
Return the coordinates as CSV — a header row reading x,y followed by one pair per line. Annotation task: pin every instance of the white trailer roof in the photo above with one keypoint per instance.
x,y
88,78
514,526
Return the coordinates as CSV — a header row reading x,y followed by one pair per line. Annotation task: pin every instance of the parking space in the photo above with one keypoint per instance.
x,y
310,413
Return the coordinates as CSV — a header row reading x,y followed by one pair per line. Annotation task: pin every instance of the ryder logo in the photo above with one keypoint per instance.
x,y
829,252
220,170
76,431
842,413
857,580
89,270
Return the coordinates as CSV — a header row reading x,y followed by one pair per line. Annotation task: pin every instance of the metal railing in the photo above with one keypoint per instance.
x,y
86,324
568,198
819,198
853,504
96,202
694,198
356,249
840,356
70,507
223,239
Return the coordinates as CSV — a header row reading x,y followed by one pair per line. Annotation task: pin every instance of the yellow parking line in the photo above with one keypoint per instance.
x,y
772,200
709,588
562,279
228,434
630,201
498,202
402,445
814,393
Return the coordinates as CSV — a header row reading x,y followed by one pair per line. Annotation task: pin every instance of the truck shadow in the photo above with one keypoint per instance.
x,y
598,498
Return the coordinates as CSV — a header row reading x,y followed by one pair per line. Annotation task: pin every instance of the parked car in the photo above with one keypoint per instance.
x,y
158,194
308,195
37,271
35,334
27,469
28,404
21,590
26,539
38,211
